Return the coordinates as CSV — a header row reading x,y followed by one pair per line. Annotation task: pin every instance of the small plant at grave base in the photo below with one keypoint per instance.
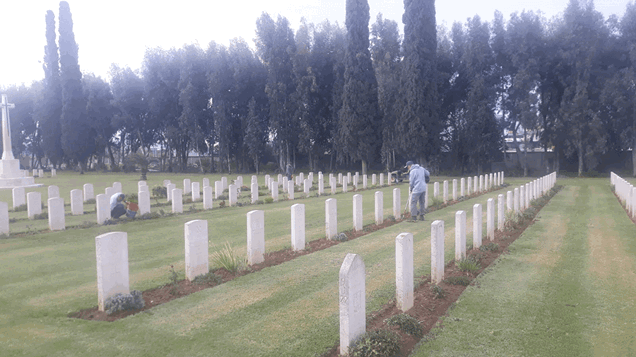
x,y
223,197
438,291
208,279
435,202
42,215
174,281
186,200
391,218
228,259
457,280
268,200
123,302
90,202
406,323
87,224
20,208
132,197
341,237
468,265
222,204
150,215
13,220
259,202
512,221
159,192
376,343
490,247
192,208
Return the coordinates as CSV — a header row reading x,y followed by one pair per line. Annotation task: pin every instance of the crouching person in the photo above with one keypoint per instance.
x,y
119,206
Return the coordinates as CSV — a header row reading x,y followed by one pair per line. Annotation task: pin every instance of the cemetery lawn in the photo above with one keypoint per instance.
x,y
566,289
286,310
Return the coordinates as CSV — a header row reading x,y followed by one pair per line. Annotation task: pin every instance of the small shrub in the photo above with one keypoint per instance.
x,y
174,280
92,201
341,237
406,323
468,265
123,302
259,202
186,200
20,208
43,215
512,221
490,247
223,197
376,343
222,204
391,218
438,291
87,224
228,259
457,280
268,199
132,197
208,279
151,215
435,202
159,192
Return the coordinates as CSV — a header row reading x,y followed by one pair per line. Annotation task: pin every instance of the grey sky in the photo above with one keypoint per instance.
x,y
119,31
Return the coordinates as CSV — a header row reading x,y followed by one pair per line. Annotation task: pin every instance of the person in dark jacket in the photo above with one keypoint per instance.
x,y
289,172
417,186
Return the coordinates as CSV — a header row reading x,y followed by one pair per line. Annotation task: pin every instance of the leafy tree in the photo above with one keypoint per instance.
x,y
99,112
359,119
255,138
628,31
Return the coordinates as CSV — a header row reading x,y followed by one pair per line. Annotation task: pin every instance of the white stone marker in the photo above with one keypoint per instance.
x,y
522,198
275,191
333,185
462,187
528,196
454,190
54,191
437,252
365,182
224,182
196,248
460,236
321,185
166,183
207,197
436,190
340,178
345,185
516,200
111,250
445,191
490,219
254,192
196,191
255,237
110,191
404,271
117,186
379,207
140,184
290,190
144,202
477,225
218,189
77,203
470,186
102,206
509,201
331,218
206,182
169,189
357,212
306,185
53,173
19,198
41,173
285,183
373,179
501,217
267,179
298,226
4,218
381,180
352,301
475,184
177,201
397,203
232,195
88,192
57,220
35,173
187,186
34,204
481,183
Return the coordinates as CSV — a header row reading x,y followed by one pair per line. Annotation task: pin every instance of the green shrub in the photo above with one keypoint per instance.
x,y
228,259
438,291
132,197
20,208
259,202
376,343
406,323
90,202
208,279
511,221
123,302
435,202
468,265
457,280
43,215
492,247
159,192
268,200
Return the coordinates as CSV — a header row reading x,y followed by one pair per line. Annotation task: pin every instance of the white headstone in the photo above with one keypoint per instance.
x,y
34,204
333,185
454,190
77,203
18,197
57,220
365,182
445,191
345,185
224,182
207,197
54,191
404,285
206,182
397,203
460,236
35,173
41,173
321,185
475,184
53,173
255,237
331,218
463,186
298,226
144,189
357,212
477,226
177,200
306,187
516,200
437,252
381,182
218,189
481,183
501,217
117,186
187,186
166,183
373,179
141,184
196,248
275,191
102,206
522,197
111,250
88,192
490,219
110,191
254,192
144,202
196,191
285,183
435,189
352,301
470,186
4,218
290,190
169,189
379,207
509,201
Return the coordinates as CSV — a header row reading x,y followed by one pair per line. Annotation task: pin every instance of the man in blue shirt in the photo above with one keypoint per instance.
x,y
118,206
417,185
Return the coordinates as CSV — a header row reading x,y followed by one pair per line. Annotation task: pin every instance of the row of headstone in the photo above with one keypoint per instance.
x,y
475,185
521,197
626,193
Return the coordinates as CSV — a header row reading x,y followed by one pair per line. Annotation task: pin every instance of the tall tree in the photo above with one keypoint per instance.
x,y
359,118
419,125
628,31
99,112
77,142
49,109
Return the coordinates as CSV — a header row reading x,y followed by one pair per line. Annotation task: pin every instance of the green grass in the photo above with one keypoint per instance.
x,y
286,310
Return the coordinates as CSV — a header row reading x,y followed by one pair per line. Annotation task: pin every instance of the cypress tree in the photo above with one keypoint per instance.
x,y
78,140
359,119
419,125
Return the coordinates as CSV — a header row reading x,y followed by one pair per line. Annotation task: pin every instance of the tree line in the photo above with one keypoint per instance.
x,y
326,96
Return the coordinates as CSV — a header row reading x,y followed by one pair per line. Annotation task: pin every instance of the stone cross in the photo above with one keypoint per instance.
x,y
7,151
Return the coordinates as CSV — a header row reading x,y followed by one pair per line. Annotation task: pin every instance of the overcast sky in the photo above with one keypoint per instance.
x,y
119,31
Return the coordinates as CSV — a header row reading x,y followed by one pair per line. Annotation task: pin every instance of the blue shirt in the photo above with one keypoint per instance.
x,y
417,178
113,200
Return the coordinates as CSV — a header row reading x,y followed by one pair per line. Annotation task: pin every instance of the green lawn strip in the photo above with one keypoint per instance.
x,y
544,298
62,279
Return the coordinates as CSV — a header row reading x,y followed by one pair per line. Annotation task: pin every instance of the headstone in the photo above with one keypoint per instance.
x,y
206,182
331,218
169,190
35,173
54,191
501,217
516,200
53,173
57,220
373,179
255,237
397,203
88,192
117,186
379,207
481,183
333,186
224,182
381,180
186,186
144,189
352,301
470,181
111,250
365,182
290,190
77,203
177,200
445,191
437,252
454,190
144,202
207,197
527,205
218,189
345,185
102,206
285,185
18,197
166,183
4,218
267,179
34,204
195,191
490,219
477,226
475,184
357,212
404,285
306,187
340,178
275,191
196,248
522,198
435,189
298,227
110,191
232,195
509,201
321,185
141,184
462,187
41,173
460,236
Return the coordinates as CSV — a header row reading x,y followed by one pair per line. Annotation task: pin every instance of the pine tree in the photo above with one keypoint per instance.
x,y
359,119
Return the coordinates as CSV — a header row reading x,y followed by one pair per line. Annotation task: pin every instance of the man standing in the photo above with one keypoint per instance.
x,y
417,184
289,172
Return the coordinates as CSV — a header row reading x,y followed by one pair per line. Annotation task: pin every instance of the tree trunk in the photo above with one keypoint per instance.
x,y
580,154
364,167
634,150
